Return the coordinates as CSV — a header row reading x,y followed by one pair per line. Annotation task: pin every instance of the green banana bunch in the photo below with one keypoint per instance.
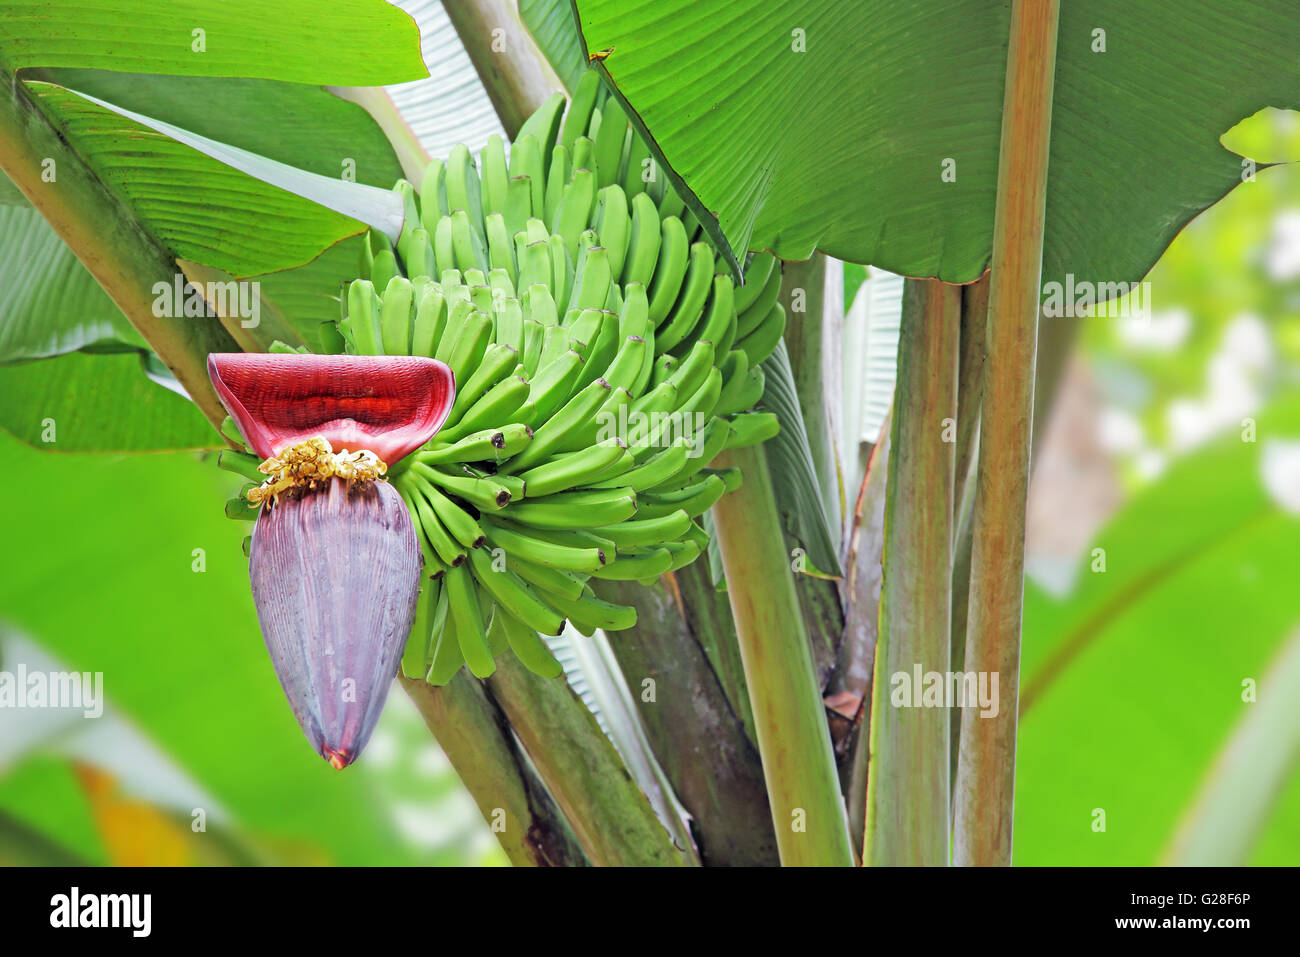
x,y
602,360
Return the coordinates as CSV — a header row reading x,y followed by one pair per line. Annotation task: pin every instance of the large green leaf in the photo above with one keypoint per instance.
x,y
198,207
1133,685
828,124
302,126
113,587
98,403
51,305
552,25
343,42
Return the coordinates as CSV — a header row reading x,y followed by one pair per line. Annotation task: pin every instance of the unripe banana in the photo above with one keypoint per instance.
x,y
636,565
498,404
556,434
529,648
674,250
516,540
751,429
578,116
610,136
515,596
689,307
433,196
758,345
553,581
613,223
567,471
643,246
395,317
495,177
486,494
576,509
463,191
756,311
463,606
526,162
363,318
588,613
636,533
485,446
453,518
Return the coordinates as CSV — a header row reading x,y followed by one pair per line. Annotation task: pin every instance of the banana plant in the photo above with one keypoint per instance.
x,y
590,375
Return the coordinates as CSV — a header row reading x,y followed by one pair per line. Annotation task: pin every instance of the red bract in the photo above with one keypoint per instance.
x,y
390,405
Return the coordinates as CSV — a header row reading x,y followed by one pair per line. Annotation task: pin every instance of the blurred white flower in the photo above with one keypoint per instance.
x,y
1161,332
1280,470
1284,248
1150,463
1119,431
1232,390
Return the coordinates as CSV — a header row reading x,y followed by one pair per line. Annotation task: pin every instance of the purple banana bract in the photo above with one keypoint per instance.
x,y
335,565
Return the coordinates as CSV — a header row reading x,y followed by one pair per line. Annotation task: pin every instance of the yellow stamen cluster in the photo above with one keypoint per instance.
x,y
312,461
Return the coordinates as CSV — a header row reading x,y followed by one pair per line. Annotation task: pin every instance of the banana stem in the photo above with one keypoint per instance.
x,y
517,78
907,815
697,737
474,735
613,820
986,764
795,744
107,239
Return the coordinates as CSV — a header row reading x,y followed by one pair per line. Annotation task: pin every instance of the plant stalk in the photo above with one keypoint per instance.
x,y
613,820
986,765
697,738
517,78
795,744
908,815
474,735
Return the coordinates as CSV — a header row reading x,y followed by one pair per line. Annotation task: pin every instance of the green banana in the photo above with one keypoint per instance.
x,y
567,471
395,317
689,307
636,533
485,446
758,345
577,509
643,246
751,429
674,250
756,311
464,608
588,613
362,315
514,595
557,433
516,540
636,565
529,648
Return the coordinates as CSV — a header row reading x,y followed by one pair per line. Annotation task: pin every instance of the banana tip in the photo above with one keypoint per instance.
x,y
338,759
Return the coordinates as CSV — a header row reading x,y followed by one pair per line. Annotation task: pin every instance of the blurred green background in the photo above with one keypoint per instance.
x,y
1162,622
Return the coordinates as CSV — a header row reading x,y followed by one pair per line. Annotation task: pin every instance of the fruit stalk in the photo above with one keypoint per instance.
x,y
612,818
798,764
474,734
